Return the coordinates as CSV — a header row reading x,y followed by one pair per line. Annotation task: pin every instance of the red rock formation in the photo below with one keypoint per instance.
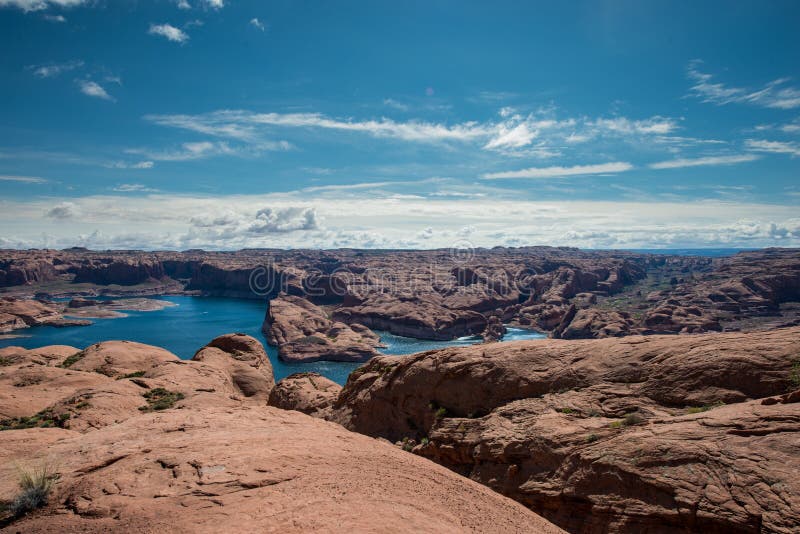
x,y
23,313
656,433
213,457
310,393
302,332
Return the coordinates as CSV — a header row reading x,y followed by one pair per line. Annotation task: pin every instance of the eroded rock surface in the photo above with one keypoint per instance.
x,y
144,442
656,433
310,393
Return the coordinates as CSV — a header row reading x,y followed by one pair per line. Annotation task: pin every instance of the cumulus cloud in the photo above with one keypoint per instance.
x,y
94,89
183,4
270,220
698,162
776,147
170,32
775,94
214,4
64,210
37,5
562,172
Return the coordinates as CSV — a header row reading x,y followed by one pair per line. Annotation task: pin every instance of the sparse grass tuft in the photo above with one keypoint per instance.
x,y
630,419
794,374
5,361
705,407
160,399
35,486
566,410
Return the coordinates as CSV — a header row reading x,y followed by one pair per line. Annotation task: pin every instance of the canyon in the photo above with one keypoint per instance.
x,y
667,398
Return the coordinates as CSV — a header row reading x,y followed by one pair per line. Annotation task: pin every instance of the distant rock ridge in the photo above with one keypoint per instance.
x,y
437,295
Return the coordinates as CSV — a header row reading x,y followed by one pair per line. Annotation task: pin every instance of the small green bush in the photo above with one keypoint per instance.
x,y
591,438
5,361
567,410
633,419
135,374
160,399
440,413
71,360
43,419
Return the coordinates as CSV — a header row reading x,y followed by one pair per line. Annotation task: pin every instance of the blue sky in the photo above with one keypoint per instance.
x,y
225,124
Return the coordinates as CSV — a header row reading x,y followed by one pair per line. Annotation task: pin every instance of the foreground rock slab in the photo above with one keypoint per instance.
x,y
144,442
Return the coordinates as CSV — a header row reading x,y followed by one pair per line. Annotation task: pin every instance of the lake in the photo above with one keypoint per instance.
x,y
194,321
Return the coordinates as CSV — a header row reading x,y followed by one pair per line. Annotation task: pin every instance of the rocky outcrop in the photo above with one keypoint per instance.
x,y
310,393
244,359
494,331
414,317
593,323
657,433
179,446
303,333
16,314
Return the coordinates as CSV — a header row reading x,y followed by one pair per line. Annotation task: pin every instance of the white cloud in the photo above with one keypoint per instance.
x,y
94,89
170,32
293,221
258,24
561,172
52,70
127,165
22,179
37,5
623,125
394,104
55,18
774,94
514,134
183,4
697,162
776,147
134,188
206,149
215,4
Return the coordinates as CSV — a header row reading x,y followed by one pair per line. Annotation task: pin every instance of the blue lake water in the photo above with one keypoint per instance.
x,y
185,328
